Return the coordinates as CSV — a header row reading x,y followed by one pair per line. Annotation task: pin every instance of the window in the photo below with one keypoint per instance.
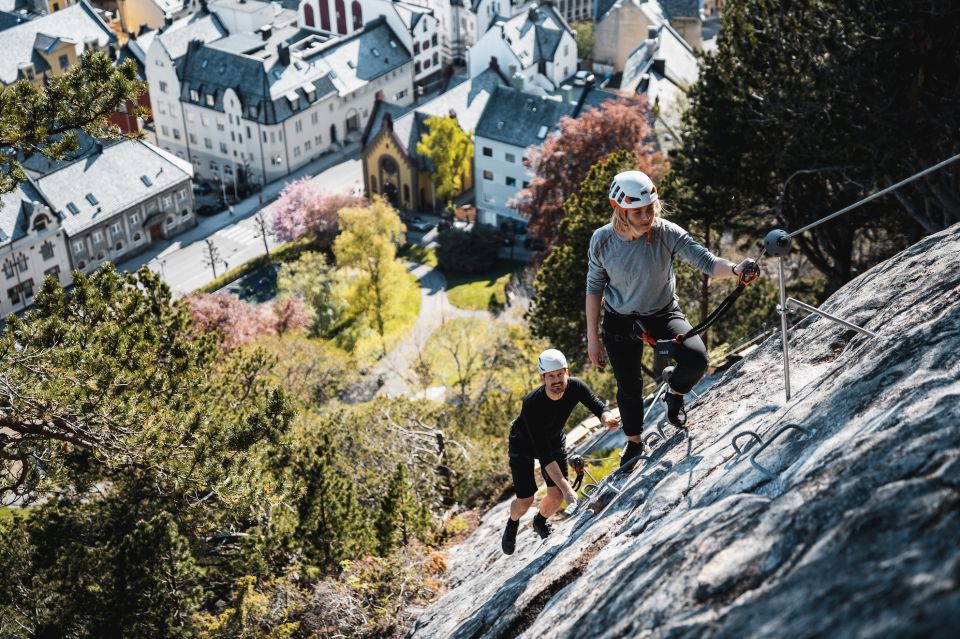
x,y
92,199
115,228
166,201
511,181
487,152
170,222
488,175
526,184
436,58
426,64
194,95
8,269
146,181
307,145
190,116
118,247
137,238
249,135
298,126
164,130
426,45
193,138
400,94
72,208
318,139
210,99
219,124
510,157
207,143
184,213
97,237
163,87
296,151
77,247
230,117
233,136
161,107
64,61
53,271
204,120
134,218
223,148
46,250
433,40
416,48
314,118
182,195
176,134
264,136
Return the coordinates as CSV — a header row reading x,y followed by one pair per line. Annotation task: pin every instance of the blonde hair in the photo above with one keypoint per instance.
x,y
622,226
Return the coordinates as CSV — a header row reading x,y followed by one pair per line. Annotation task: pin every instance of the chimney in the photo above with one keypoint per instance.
x,y
660,66
653,32
567,92
167,20
533,14
388,121
517,81
583,98
204,9
266,31
494,64
283,54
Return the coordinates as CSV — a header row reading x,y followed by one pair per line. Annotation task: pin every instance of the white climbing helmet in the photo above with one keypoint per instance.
x,y
551,360
631,190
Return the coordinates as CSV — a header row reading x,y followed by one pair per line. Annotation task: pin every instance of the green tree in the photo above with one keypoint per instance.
x,y
45,120
109,374
367,247
584,32
312,279
401,516
804,110
557,313
450,152
473,251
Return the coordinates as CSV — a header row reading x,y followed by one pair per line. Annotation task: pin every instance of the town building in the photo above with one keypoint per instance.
x,y
537,45
139,15
512,123
32,247
14,12
251,106
391,164
47,46
114,200
413,22
621,25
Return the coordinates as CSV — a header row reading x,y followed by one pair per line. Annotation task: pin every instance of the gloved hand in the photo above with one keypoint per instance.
x,y
748,269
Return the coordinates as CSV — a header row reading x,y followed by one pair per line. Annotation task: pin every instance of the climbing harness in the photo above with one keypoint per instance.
x,y
667,348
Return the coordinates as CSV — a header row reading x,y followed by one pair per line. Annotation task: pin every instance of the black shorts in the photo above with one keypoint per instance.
x,y
524,483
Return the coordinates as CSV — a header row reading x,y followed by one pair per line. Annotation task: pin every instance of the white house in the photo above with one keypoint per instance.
x,y
538,45
413,22
462,23
153,14
32,246
511,124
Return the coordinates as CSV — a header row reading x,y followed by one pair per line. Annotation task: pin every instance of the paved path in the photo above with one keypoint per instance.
x,y
435,309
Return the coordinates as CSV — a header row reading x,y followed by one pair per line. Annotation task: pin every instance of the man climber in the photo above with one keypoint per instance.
x,y
538,433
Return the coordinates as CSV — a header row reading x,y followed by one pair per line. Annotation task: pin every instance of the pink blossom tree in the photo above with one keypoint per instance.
x,y
304,208
241,323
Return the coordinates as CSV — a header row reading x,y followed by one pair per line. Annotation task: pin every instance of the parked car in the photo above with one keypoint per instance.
x,y
582,77
202,188
206,209
420,226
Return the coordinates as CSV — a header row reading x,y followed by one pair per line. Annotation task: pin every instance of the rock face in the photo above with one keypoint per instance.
x,y
848,526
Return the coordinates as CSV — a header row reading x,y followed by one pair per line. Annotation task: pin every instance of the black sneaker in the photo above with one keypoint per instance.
x,y
628,453
542,526
675,413
509,540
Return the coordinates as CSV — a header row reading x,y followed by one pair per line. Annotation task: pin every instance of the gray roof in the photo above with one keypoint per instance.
x,y
681,8
680,64
537,39
177,37
252,68
16,210
74,24
518,118
113,178
8,19
467,100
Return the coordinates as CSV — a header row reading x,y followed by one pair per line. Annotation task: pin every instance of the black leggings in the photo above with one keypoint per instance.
x,y
622,339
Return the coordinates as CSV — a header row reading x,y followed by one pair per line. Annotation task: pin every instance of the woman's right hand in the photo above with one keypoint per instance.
x,y
598,356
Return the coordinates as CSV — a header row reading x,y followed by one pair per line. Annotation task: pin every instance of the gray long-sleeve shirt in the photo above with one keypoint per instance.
x,y
636,276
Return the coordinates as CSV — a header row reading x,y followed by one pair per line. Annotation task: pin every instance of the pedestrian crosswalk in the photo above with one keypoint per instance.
x,y
237,233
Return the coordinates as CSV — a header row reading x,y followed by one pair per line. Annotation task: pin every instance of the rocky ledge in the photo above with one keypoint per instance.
x,y
845,522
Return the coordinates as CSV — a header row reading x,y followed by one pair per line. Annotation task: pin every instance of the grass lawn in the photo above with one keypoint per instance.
x,y
480,291
419,254
368,348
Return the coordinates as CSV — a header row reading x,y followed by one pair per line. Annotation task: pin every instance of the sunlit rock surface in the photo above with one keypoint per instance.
x,y
849,527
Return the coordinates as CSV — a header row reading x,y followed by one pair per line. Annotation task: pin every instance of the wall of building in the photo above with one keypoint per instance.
x,y
136,13
377,156
494,174
129,232
619,34
24,265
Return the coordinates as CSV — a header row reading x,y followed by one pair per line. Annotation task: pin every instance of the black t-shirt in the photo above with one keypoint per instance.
x,y
538,430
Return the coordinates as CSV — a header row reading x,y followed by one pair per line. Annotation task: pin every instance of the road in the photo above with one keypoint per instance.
x,y
180,260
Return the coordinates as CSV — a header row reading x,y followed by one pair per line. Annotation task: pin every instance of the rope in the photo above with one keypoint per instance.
x,y
869,198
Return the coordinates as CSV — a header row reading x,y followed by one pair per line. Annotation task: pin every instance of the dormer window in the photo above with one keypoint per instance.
x,y
92,199
210,99
194,95
72,208
146,181
40,222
